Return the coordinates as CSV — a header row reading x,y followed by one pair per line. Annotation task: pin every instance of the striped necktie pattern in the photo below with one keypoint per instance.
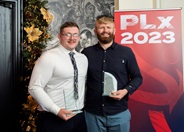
x,y
75,74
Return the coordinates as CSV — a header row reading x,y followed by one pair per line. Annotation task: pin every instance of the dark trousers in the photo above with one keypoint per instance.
x,y
48,122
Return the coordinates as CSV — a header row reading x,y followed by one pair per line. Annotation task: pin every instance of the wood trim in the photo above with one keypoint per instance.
x,y
116,4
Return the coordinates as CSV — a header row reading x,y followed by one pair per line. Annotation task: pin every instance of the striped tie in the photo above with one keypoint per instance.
x,y
75,75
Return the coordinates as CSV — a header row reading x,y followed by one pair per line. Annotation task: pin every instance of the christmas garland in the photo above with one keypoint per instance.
x,y
36,22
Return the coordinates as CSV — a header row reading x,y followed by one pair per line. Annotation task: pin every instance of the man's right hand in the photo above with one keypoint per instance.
x,y
65,114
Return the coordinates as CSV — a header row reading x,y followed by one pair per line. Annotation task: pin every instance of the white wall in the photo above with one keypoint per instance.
x,y
135,4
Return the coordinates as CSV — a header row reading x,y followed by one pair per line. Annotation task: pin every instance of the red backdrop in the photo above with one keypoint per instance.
x,y
155,37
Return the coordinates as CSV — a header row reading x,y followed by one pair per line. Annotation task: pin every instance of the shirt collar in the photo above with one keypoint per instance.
x,y
113,46
64,50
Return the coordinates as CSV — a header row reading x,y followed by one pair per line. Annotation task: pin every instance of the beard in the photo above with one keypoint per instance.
x,y
105,40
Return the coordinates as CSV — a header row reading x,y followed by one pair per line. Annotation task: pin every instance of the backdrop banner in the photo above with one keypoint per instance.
x,y
155,37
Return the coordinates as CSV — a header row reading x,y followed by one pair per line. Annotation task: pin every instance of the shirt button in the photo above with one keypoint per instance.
x,y
102,104
104,61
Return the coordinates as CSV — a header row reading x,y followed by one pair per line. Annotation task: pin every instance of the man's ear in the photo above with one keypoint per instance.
x,y
94,31
59,36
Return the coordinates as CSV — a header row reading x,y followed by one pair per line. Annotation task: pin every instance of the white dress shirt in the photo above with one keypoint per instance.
x,y
53,77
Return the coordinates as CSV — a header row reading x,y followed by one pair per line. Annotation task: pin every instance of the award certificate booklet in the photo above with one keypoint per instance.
x,y
70,102
110,84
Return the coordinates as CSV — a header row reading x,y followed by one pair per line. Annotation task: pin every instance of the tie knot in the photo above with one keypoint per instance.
x,y
71,53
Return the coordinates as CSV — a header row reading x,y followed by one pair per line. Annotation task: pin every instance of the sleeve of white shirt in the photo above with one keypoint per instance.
x,y
41,74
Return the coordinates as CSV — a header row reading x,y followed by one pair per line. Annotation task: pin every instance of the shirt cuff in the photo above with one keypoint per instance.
x,y
129,88
55,109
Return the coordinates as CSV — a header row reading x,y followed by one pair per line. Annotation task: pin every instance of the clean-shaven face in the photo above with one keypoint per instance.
x,y
69,37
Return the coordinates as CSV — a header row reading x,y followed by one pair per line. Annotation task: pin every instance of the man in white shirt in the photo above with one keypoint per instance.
x,y
52,84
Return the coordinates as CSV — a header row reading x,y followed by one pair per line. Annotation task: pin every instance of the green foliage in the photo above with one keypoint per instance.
x,y
32,49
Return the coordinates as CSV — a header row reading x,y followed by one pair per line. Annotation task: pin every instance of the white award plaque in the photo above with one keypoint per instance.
x,y
110,84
